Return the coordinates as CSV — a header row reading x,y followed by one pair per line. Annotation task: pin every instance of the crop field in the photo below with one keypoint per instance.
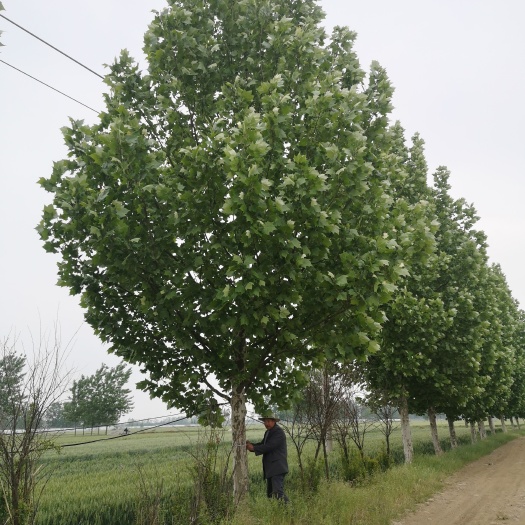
x,y
103,482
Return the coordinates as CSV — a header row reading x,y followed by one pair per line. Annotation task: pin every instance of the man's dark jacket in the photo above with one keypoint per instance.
x,y
273,450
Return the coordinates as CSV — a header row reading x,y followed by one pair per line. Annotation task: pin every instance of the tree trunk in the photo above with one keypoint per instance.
x,y
481,428
329,441
240,456
452,432
491,425
503,426
434,431
15,507
317,450
325,455
473,437
300,462
518,423
344,447
408,447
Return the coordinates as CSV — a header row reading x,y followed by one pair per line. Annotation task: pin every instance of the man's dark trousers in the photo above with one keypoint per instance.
x,y
275,487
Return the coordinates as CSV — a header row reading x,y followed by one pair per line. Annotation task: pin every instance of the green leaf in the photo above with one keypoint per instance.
x,y
363,337
284,312
304,262
389,287
227,207
120,210
342,280
268,227
49,212
94,230
373,346
295,242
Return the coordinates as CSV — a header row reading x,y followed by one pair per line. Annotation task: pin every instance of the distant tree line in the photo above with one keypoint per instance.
x,y
95,400
98,399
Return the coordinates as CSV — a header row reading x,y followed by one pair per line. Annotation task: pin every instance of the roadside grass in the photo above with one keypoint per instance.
x,y
106,482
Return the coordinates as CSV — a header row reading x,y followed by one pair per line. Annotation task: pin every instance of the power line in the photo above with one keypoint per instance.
x,y
124,435
47,85
130,422
53,47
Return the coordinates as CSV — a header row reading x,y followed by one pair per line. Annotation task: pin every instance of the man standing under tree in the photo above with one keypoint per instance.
x,y
273,450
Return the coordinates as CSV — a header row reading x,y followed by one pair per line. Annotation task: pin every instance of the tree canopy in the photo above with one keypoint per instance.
x,y
227,222
99,399
223,218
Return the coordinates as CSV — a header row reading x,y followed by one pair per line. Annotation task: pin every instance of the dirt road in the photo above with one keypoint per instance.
x,y
490,491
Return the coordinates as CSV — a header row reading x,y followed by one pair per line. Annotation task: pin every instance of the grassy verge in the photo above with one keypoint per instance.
x,y
377,501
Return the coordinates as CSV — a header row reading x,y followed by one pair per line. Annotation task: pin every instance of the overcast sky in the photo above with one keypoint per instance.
x,y
458,68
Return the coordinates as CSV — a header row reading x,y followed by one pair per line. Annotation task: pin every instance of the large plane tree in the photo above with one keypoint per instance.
x,y
223,221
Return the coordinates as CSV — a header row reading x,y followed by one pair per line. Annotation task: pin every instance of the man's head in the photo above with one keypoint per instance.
x,y
269,420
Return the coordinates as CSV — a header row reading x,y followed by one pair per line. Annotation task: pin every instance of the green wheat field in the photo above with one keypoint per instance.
x,y
149,478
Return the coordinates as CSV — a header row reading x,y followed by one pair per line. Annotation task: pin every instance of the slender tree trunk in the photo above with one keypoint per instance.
x,y
341,440
473,437
518,423
15,507
408,447
503,426
300,462
434,431
452,432
325,455
481,428
318,449
240,456
491,425
329,441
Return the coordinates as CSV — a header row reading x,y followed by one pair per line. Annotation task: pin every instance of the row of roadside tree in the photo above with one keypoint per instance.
x,y
245,211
